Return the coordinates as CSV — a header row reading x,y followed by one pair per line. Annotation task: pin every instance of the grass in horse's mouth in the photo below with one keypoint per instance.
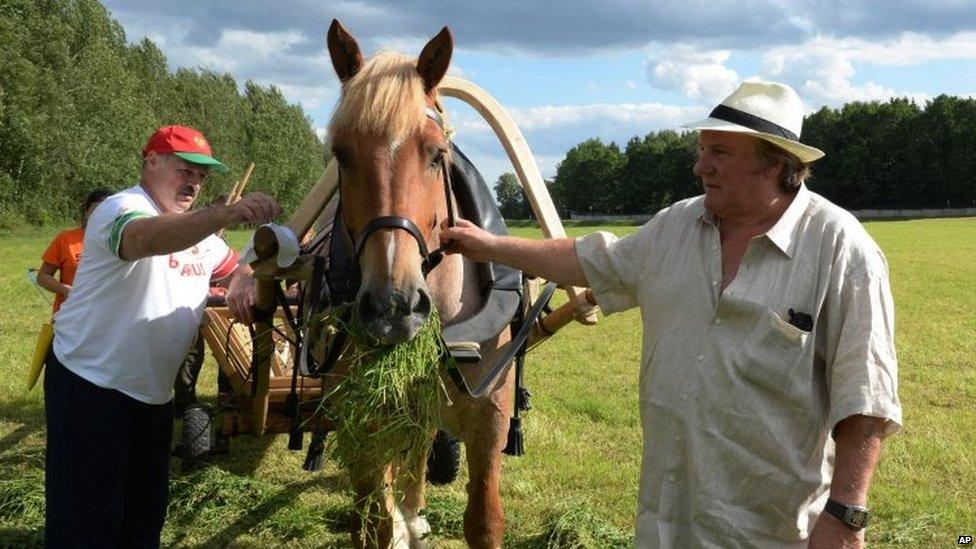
x,y
388,406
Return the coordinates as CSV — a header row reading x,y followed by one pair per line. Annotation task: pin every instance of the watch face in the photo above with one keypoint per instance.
x,y
857,518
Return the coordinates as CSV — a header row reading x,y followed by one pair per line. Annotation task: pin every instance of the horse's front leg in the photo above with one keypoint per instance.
x,y
485,434
373,522
413,478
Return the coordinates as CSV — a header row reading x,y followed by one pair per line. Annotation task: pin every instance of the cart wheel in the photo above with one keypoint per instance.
x,y
195,438
444,459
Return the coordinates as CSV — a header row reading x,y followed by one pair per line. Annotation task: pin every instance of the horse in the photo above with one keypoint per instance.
x,y
393,155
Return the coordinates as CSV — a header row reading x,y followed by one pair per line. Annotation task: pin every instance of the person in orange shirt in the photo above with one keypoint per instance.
x,y
64,253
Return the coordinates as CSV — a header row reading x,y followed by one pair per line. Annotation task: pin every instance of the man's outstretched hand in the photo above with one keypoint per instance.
x,y
467,239
254,208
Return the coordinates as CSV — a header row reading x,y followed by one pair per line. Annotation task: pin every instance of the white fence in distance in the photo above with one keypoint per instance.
x,y
863,215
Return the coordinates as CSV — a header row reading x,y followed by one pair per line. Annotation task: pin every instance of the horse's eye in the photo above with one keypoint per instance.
x,y
341,157
436,157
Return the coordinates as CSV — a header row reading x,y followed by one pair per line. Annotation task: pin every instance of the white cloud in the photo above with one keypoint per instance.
x,y
461,72
650,115
630,84
408,45
309,97
550,130
267,58
233,51
696,73
823,69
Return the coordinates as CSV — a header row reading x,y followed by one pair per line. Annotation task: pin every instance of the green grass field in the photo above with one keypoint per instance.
x,y
576,487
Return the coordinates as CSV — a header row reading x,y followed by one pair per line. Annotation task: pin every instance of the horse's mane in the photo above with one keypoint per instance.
x,y
386,97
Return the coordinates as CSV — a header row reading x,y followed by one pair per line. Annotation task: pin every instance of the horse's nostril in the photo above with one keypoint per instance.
x,y
390,305
364,308
421,303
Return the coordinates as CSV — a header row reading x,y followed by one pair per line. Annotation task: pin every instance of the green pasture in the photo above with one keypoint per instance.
x,y
577,485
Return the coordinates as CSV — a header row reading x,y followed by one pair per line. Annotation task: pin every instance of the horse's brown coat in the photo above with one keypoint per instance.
x,y
388,151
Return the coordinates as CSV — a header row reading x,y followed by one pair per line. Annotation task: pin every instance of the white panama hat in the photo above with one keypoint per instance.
x,y
768,110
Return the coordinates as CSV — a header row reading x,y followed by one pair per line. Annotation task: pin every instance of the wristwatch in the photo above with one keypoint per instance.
x,y
854,516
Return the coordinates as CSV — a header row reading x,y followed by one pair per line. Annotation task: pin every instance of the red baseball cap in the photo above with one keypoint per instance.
x,y
186,143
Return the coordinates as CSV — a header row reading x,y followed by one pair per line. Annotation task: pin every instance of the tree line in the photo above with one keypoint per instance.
x,y
77,104
893,154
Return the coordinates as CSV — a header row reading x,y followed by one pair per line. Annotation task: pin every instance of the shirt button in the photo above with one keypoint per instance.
x,y
701,358
677,438
718,321
684,397
714,284
670,478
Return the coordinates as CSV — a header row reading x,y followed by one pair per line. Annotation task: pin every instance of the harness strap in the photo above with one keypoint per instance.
x,y
448,193
435,257
514,348
432,259
389,222
293,403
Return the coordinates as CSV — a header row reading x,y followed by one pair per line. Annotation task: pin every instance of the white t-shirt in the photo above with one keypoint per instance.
x,y
127,325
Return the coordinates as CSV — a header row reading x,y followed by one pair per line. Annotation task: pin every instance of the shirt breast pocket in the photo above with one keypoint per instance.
x,y
773,354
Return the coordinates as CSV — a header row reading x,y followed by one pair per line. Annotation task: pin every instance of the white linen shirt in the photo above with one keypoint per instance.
x,y
737,405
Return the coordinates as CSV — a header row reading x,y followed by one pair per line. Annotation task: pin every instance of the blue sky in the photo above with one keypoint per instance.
x,y
573,69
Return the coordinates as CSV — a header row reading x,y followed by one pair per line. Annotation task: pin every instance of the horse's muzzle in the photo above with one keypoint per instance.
x,y
390,315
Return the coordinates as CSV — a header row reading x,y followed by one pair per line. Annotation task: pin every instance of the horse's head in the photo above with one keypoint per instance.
x,y
391,149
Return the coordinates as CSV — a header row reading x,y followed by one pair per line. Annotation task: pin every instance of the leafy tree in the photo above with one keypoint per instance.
x,y
511,199
947,143
588,177
77,103
69,113
672,175
282,144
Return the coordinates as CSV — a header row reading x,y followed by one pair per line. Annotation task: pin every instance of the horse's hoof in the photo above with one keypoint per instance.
x,y
419,530
409,532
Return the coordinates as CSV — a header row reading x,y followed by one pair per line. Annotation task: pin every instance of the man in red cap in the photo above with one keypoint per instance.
x,y
120,338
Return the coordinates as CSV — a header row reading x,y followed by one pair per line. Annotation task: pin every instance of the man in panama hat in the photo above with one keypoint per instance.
x,y
768,376
120,337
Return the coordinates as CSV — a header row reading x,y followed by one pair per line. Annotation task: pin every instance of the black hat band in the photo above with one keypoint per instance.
x,y
751,121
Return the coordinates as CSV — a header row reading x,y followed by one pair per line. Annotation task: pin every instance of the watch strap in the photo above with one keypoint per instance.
x,y
854,517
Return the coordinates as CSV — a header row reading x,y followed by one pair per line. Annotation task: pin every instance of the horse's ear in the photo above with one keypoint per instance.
x,y
434,60
346,57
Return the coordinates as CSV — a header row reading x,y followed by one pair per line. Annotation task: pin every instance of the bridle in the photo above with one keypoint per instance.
x,y
429,260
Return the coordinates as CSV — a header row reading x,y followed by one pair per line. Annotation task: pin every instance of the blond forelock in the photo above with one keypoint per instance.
x,y
385,98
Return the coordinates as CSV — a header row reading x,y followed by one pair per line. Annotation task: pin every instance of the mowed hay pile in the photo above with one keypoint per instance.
x,y
388,405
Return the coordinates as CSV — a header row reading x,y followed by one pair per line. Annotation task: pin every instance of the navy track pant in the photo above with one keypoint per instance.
x,y
107,464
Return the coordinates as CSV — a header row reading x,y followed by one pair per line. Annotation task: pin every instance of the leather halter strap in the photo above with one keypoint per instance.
x,y
390,222
432,259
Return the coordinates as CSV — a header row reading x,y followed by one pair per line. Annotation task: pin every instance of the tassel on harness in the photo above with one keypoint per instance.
x,y
314,459
516,439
